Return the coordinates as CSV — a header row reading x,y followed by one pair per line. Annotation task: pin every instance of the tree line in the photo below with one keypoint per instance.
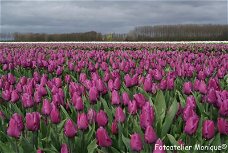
x,y
190,32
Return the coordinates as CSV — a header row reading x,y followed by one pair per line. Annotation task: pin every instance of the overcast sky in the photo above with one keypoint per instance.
x,y
55,16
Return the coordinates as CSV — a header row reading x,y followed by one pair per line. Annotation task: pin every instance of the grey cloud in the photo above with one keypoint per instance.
x,y
106,16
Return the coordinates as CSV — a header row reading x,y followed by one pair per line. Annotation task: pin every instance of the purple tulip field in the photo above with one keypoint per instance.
x,y
113,98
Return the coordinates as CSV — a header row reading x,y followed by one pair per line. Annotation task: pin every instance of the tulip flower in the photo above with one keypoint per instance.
x,y
115,97
19,119
82,121
116,84
136,142
14,96
147,84
46,107
33,121
27,100
103,140
125,98
158,147
191,102
93,95
78,105
187,88
140,99
150,135
202,87
70,128
132,107
114,128
101,118
191,125
211,96
119,115
222,125
188,112
55,115
208,129
6,95
223,110
64,148
91,115
13,130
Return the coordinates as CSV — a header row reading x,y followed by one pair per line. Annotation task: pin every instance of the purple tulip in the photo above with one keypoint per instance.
x,y
55,115
39,151
132,107
27,100
93,95
78,105
191,102
70,129
211,96
119,115
101,118
127,80
19,119
150,135
33,121
136,142
13,130
208,129
147,85
188,112
187,88
191,125
114,128
103,140
125,98
223,110
91,115
202,87
14,96
82,121
115,97
6,95
46,107
117,84
140,99
222,125
64,148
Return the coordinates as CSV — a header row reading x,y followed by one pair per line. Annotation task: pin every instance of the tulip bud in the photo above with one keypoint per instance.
x,y
27,100
33,121
191,102
208,129
78,105
127,80
222,125
150,135
13,129
6,95
46,107
55,115
115,97
140,99
187,88
191,125
93,95
125,98
19,119
117,84
147,85
70,129
101,118
82,121
136,142
223,110
14,96
114,128
202,87
211,96
132,107
103,140
64,148
91,115
119,115
188,112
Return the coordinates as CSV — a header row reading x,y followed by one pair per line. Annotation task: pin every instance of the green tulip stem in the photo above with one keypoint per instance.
x,y
16,147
